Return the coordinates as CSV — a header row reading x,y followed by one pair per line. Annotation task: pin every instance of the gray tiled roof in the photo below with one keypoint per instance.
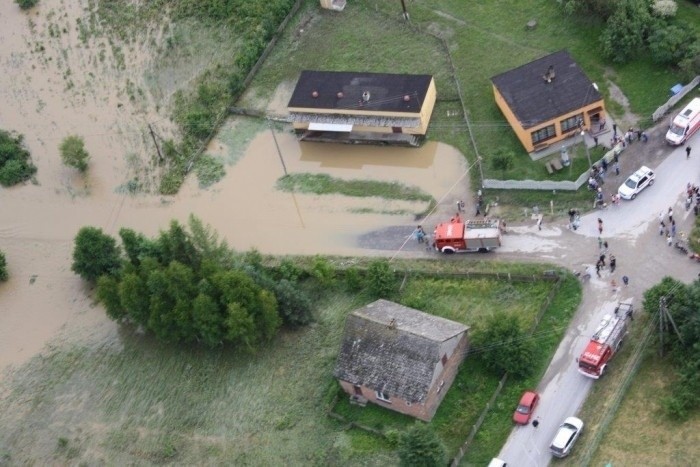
x,y
398,357
534,101
386,91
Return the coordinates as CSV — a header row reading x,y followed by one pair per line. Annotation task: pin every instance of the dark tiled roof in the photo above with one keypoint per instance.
x,y
399,359
533,100
386,91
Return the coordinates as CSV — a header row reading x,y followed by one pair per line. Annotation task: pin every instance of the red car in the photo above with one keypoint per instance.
x,y
526,407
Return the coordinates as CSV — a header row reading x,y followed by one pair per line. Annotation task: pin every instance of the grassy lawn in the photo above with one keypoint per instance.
x,y
136,401
641,433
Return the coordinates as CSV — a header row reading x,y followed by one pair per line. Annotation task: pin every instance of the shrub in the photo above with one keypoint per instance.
x,y
26,4
209,170
625,30
323,271
4,275
505,346
293,304
380,279
420,446
353,279
73,152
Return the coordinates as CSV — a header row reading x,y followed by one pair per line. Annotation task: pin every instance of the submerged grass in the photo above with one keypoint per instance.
x,y
323,184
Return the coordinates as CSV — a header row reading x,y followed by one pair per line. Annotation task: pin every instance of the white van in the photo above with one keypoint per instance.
x,y
684,124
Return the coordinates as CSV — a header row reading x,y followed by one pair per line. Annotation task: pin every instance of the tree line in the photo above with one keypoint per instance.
x,y
187,286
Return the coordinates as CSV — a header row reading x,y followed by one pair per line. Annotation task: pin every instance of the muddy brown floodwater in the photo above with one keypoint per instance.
x,y
55,85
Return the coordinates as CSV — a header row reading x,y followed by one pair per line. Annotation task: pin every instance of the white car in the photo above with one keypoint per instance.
x,y
636,182
566,436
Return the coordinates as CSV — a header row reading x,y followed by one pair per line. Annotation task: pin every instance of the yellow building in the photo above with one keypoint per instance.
x,y
342,106
548,100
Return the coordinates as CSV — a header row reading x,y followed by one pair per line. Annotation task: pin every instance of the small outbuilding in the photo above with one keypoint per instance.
x,y
548,100
352,107
400,358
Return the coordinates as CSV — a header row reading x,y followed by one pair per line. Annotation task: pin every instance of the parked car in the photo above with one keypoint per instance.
x,y
566,436
496,462
636,182
526,407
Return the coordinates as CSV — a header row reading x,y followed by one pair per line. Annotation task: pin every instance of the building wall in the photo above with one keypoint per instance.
x,y
426,410
524,135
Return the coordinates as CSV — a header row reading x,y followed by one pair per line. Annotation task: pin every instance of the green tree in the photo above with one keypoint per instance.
x,y
207,320
73,152
625,30
137,246
323,271
420,446
503,161
380,279
4,275
504,346
15,162
108,295
134,297
95,254
669,44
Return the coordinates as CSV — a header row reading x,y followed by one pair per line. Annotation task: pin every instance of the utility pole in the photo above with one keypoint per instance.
x,y
153,135
583,140
279,153
665,315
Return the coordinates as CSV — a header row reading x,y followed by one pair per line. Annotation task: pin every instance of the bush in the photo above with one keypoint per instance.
x,y
4,275
504,346
95,254
73,152
625,31
26,4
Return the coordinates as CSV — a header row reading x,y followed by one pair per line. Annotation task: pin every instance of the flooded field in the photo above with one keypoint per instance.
x,y
57,82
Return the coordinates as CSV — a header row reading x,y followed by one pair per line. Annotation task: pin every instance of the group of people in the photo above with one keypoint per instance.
x,y
693,193
629,136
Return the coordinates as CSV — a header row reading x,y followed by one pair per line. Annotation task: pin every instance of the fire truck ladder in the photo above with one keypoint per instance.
x,y
610,329
481,224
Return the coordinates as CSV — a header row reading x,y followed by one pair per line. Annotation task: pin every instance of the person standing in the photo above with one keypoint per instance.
x,y
600,226
602,260
616,166
668,239
662,228
539,223
613,263
687,152
420,234
460,206
670,214
600,243
673,229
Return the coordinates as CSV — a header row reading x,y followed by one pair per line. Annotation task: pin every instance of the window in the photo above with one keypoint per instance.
x,y
571,123
543,134
382,396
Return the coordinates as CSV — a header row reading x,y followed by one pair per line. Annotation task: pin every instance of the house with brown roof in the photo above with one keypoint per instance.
x,y
548,100
400,358
352,107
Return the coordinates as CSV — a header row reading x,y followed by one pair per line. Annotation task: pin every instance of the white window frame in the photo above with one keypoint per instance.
x,y
382,396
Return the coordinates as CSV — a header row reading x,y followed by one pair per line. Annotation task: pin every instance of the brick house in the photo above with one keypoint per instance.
x,y
548,100
400,358
351,107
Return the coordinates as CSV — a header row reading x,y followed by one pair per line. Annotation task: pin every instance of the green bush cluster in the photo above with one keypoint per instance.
x,y
15,161
73,153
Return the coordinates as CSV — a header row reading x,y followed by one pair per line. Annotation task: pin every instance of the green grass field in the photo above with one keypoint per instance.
x,y
132,400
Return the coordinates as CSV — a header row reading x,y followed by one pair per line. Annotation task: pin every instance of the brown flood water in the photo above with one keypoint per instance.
x,y
43,299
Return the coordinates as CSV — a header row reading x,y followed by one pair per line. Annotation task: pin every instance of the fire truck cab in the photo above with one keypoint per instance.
x,y
606,341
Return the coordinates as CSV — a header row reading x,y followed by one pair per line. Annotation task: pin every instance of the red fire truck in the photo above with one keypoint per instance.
x,y
606,341
459,236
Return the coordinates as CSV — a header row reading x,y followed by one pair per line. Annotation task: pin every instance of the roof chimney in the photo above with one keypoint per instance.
x,y
365,96
549,76
392,323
